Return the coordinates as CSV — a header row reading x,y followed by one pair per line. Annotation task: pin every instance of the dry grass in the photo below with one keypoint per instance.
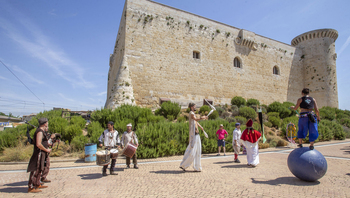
x,y
17,154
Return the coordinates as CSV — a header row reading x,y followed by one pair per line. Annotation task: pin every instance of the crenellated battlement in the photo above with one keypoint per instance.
x,y
331,33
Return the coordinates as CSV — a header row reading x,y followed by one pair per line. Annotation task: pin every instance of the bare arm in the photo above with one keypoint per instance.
x,y
317,111
195,119
39,137
297,105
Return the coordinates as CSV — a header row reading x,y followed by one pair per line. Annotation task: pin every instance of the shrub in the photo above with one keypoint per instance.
x,y
9,138
252,101
231,119
80,121
336,130
241,120
181,119
278,107
341,116
256,126
188,110
274,107
347,131
345,122
247,112
220,110
276,122
58,125
170,118
226,114
327,113
239,101
49,114
268,124
78,142
285,112
204,110
235,110
94,131
156,119
72,131
142,120
263,145
213,115
273,114
169,108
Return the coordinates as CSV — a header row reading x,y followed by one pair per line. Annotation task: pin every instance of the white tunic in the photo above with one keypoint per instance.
x,y
252,152
194,149
110,138
236,136
126,138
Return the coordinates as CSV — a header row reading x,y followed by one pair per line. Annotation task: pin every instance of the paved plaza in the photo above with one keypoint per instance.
x,y
161,177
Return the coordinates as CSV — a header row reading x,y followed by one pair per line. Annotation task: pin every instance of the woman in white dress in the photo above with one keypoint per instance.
x,y
194,149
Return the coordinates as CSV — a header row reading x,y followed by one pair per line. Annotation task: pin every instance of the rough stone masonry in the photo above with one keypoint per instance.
x,y
163,53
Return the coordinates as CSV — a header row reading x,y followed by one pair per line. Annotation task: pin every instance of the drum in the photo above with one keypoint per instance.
x,y
114,153
103,158
129,149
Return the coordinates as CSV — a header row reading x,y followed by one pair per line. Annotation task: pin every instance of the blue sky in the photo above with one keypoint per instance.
x,y
60,49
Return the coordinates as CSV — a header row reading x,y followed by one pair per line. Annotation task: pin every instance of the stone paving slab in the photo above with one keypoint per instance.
x,y
220,177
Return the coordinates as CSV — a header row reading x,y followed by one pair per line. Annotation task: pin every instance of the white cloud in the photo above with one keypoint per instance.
x,y
102,93
30,37
347,42
3,78
17,69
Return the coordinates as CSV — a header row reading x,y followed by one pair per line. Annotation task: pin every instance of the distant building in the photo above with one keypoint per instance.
x,y
28,117
6,122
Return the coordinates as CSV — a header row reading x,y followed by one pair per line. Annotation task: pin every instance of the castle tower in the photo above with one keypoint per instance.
x,y
319,63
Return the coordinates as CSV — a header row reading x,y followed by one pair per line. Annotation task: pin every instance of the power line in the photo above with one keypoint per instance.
x,y
22,83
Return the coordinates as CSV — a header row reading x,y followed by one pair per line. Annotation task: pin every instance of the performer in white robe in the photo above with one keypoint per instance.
x,y
194,149
250,139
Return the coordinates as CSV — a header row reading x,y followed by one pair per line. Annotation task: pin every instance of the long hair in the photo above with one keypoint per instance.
x,y
191,105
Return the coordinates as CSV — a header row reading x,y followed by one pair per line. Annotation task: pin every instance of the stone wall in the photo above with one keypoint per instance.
x,y
157,60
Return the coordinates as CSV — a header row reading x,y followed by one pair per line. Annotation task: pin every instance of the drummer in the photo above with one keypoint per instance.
x,y
128,136
111,139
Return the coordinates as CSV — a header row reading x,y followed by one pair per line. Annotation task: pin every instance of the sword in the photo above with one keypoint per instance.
x,y
211,106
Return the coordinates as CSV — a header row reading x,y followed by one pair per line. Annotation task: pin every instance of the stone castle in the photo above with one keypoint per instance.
x,y
163,53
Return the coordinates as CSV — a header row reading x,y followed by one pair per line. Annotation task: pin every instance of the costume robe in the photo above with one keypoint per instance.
x,y
194,149
250,139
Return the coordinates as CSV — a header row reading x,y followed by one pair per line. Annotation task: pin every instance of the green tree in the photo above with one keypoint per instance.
x,y
238,101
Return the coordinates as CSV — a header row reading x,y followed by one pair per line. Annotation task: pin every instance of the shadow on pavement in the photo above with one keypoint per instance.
x,y
174,172
14,190
286,180
119,169
236,166
348,174
91,176
225,162
22,183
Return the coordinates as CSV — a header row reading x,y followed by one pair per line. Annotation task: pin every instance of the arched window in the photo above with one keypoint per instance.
x,y
276,70
237,63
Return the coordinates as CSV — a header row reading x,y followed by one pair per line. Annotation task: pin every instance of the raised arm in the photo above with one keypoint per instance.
x,y
198,119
